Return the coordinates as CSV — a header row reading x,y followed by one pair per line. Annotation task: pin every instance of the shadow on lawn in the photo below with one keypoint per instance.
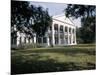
x,y
22,66
67,51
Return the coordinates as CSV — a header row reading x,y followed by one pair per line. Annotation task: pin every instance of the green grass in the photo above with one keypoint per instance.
x,y
67,58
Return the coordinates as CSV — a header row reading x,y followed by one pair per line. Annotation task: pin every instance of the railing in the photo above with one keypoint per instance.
x,y
57,32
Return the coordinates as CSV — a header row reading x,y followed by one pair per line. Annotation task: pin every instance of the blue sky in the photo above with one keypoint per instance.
x,y
55,9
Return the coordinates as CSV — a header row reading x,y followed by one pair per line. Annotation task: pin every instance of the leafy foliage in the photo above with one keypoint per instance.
x,y
42,21
79,11
28,18
88,30
87,14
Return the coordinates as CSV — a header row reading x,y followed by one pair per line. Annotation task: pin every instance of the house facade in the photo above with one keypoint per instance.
x,y
61,32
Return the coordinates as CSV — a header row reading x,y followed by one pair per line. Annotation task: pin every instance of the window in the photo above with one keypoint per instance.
x,y
61,28
73,31
56,27
44,40
73,39
62,40
66,38
70,39
65,29
56,40
70,30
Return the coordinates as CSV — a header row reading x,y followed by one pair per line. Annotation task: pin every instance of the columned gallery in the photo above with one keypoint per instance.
x,y
61,32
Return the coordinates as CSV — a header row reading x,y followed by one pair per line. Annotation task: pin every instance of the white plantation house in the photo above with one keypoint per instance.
x,y
61,32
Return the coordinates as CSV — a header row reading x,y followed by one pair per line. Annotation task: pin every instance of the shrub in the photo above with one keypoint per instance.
x,y
23,46
26,46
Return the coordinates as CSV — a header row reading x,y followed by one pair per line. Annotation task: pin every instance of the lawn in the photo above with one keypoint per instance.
x,y
67,58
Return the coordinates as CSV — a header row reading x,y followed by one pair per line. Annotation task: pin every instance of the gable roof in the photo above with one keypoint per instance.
x,y
62,18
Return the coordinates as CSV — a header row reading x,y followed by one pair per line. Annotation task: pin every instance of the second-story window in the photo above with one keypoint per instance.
x,y
65,29
56,27
61,28
73,31
70,30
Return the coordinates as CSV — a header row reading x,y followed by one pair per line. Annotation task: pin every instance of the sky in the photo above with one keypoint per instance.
x,y
55,9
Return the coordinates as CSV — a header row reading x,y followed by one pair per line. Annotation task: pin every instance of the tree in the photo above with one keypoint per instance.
x,y
87,14
78,35
41,21
21,15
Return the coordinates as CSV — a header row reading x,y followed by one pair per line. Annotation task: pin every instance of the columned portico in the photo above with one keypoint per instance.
x,y
62,33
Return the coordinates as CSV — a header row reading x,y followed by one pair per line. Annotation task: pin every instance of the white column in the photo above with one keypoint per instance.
x,y
15,28
59,34
71,35
27,40
53,36
68,34
75,35
31,41
18,38
64,35
34,38
22,35
48,41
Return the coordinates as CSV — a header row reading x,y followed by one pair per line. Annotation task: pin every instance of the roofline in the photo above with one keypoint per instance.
x,y
71,21
64,22
58,15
